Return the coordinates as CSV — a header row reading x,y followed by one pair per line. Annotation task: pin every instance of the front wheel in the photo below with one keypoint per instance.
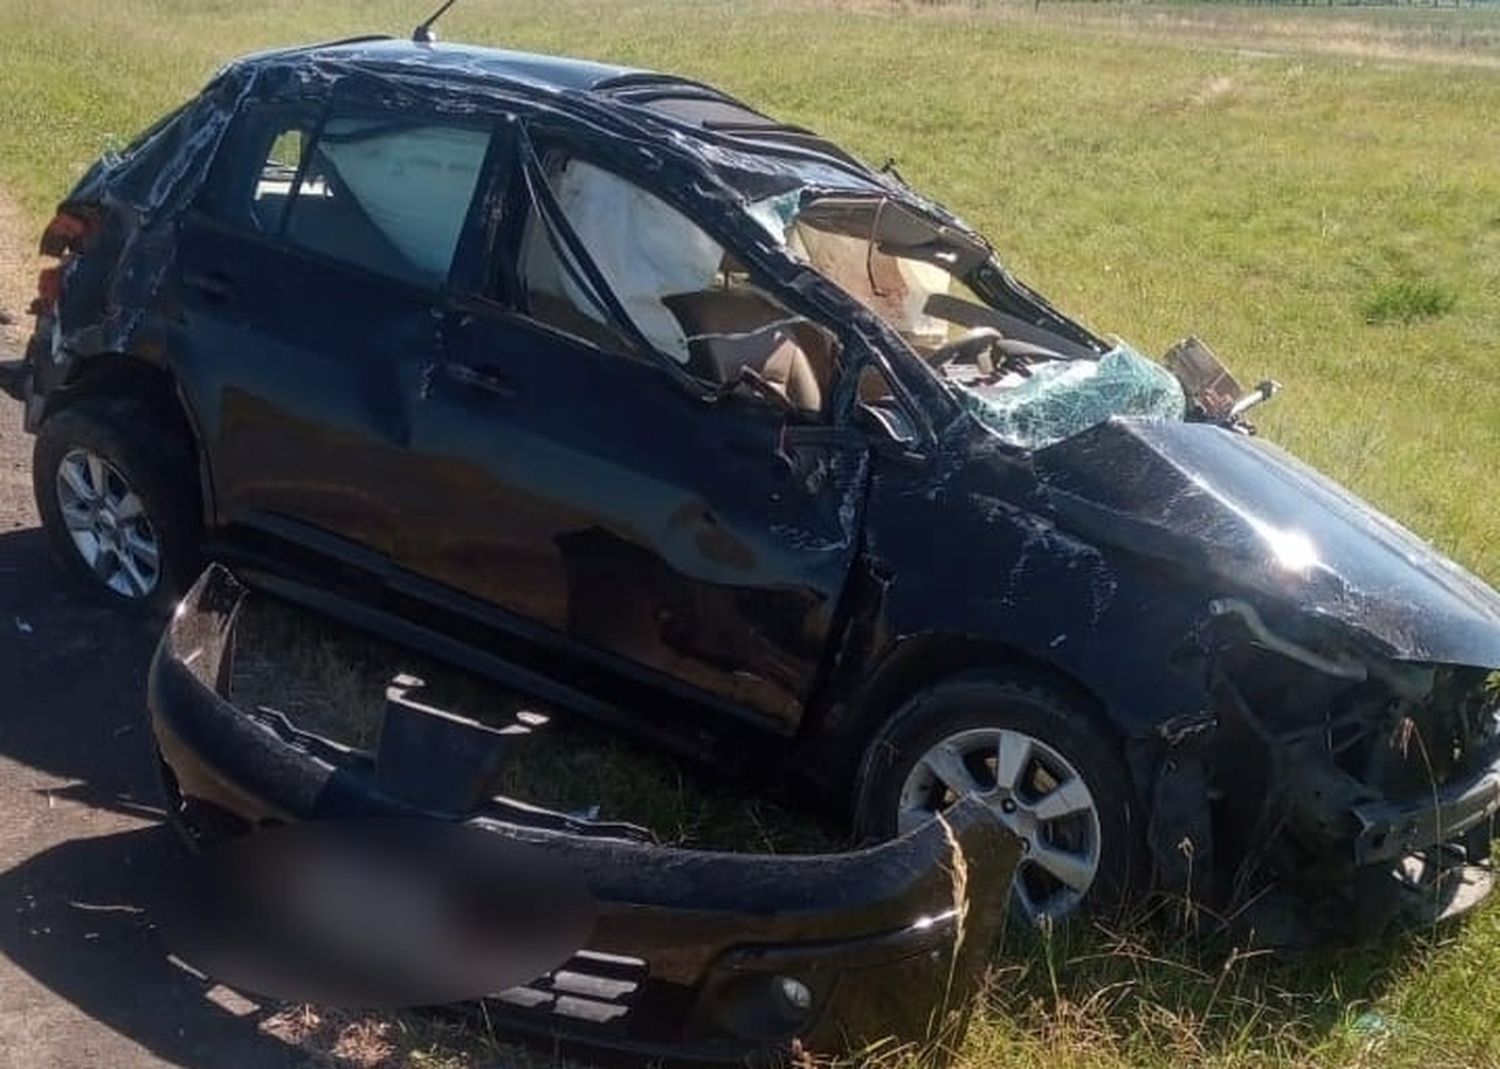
x,y
1036,755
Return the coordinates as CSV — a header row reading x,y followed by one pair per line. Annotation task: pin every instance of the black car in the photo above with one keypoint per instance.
x,y
605,384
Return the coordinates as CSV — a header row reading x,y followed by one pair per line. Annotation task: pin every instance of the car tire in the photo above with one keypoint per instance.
x,y
1069,799
118,498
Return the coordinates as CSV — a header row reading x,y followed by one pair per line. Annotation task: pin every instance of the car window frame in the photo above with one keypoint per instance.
x,y
513,295
341,110
546,138
209,207
224,197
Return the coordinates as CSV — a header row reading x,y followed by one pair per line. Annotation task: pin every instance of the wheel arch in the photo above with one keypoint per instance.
x,y
962,674
844,735
130,379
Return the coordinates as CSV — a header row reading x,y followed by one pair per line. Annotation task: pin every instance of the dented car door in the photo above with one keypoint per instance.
x,y
572,481
310,275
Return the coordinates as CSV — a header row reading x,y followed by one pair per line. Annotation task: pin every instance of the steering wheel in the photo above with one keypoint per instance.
x,y
973,344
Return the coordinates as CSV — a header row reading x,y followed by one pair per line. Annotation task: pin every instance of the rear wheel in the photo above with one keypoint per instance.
x,y
119,503
1036,757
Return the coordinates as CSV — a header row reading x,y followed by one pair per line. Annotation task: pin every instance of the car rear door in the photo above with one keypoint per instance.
x,y
311,275
575,485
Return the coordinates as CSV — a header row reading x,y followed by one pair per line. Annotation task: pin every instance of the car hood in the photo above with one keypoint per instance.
x,y
1255,518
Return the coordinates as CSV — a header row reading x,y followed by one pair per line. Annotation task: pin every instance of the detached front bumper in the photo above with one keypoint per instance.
x,y
691,950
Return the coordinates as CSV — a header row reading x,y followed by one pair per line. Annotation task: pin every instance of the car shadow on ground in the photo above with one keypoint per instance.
x,y
72,687
81,928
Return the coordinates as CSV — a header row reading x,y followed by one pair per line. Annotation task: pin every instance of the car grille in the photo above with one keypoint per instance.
x,y
591,988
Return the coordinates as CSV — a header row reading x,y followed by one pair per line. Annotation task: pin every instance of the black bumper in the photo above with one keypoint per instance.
x,y
18,378
15,379
690,947
1389,831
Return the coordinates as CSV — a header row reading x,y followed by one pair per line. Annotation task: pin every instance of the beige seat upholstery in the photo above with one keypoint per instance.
x,y
734,328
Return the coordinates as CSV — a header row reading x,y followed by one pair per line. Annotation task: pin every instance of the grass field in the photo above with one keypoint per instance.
x,y
1315,193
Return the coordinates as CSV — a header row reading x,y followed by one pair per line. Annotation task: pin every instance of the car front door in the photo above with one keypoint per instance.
x,y
577,482
311,278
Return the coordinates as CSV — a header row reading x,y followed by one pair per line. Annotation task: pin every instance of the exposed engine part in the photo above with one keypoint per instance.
x,y
1343,667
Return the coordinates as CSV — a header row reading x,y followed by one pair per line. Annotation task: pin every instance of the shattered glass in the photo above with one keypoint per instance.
x,y
1062,398
776,213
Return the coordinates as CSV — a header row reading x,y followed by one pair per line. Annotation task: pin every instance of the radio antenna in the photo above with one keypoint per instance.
x,y
424,34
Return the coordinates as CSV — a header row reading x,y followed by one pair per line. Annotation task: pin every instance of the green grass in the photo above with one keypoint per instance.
x,y
1408,300
332,681
1317,194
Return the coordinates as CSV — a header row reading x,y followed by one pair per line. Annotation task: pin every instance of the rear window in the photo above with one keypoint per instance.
x,y
279,168
387,193
390,195
250,184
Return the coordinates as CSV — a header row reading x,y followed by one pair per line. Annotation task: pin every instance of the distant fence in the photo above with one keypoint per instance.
x,y
1476,4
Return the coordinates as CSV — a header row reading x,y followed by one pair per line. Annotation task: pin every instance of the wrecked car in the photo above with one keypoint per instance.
x,y
608,386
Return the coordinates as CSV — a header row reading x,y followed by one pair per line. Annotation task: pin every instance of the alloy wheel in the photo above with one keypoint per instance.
x,y
1035,792
108,524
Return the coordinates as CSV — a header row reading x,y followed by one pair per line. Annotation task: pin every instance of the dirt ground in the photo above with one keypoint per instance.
x,y
84,979
18,265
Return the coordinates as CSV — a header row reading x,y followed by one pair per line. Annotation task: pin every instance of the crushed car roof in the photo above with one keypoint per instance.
x,y
712,155
699,110
474,61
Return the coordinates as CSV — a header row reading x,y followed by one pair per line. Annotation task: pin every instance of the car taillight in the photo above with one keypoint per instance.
x,y
69,233
48,289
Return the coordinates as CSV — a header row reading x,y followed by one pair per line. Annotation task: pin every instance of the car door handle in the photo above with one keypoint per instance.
x,y
215,285
486,379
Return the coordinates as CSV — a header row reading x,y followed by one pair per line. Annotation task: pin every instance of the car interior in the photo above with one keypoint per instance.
x,y
688,296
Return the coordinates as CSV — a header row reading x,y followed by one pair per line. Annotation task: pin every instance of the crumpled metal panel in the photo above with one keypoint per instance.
x,y
1248,516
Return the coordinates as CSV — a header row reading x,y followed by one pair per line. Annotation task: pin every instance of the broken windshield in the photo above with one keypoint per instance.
x,y
1024,370
1059,399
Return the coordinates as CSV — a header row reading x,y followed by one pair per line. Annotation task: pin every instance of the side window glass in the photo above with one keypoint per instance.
x,y
277,171
388,194
678,287
250,185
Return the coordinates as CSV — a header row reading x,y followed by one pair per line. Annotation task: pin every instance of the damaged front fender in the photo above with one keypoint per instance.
x,y
1323,794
